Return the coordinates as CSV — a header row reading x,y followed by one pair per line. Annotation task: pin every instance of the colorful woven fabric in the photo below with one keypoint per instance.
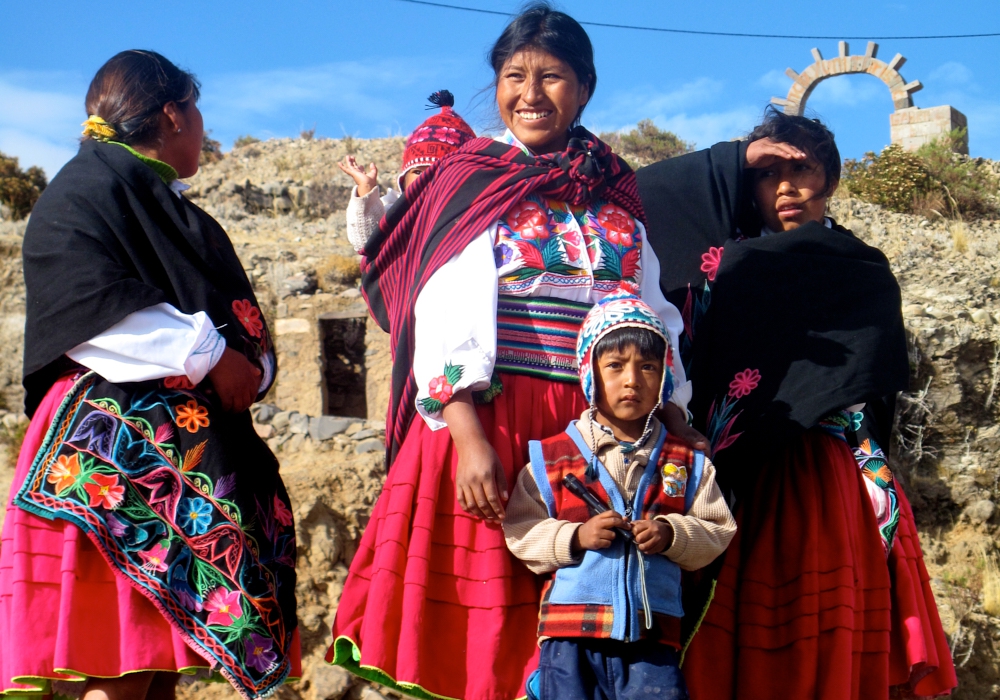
x,y
620,310
537,336
439,135
456,200
185,502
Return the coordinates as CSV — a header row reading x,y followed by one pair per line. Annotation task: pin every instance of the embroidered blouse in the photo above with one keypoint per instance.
x,y
540,248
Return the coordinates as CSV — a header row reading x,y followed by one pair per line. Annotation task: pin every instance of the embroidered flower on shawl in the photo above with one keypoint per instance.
x,y
223,606
442,388
180,382
154,558
743,383
249,316
259,652
194,515
104,491
527,219
191,416
618,223
64,472
116,526
710,262
281,512
573,245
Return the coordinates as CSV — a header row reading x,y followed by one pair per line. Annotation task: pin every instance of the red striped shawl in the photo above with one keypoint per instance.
x,y
456,199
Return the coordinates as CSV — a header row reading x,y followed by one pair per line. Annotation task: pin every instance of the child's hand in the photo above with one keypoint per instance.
x,y
366,181
652,536
598,532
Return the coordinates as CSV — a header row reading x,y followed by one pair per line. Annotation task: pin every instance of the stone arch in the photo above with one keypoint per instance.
x,y
845,64
910,126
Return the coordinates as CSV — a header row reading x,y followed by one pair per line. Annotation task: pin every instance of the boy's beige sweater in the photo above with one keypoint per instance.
x,y
544,544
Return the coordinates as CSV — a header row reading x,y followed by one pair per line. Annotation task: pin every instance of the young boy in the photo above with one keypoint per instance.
x,y
609,624
439,135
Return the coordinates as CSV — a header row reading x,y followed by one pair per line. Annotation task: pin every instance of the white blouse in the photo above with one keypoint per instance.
x,y
577,256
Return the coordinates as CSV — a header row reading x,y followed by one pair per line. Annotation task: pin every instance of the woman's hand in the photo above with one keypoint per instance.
x,y
652,536
598,532
676,423
236,381
480,484
766,152
366,181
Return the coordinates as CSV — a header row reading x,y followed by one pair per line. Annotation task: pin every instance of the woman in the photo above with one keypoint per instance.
x,y
793,332
145,515
483,274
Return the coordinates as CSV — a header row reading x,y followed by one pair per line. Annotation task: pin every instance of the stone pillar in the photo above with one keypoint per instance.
x,y
911,128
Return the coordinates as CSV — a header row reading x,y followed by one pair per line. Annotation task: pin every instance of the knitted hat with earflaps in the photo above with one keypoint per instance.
x,y
439,135
620,309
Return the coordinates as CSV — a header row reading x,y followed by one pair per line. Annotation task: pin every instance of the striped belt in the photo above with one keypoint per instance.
x,y
536,336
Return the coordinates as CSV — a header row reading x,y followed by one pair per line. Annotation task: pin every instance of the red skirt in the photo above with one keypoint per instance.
x,y
805,606
434,603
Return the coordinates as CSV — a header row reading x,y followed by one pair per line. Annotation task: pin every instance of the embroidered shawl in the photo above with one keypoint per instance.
x,y
456,199
782,330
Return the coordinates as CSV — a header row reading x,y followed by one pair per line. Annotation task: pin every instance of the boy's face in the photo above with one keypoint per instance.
x,y
790,193
628,384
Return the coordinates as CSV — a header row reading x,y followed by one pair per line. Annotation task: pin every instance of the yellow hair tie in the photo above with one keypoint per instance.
x,y
97,128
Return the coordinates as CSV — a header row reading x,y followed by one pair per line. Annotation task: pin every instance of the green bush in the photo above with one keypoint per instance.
x,y
20,189
211,150
646,144
932,181
245,141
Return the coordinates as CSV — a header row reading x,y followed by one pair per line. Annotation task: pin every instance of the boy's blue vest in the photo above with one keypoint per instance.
x,y
601,596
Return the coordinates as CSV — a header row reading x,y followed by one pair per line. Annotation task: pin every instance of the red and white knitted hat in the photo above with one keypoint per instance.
x,y
439,135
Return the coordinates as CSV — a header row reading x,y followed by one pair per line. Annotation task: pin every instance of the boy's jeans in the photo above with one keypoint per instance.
x,y
604,669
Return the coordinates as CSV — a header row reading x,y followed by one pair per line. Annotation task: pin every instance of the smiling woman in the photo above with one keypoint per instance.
x,y
524,235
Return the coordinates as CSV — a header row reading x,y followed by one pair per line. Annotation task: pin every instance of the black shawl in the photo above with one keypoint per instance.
x,y
108,238
780,331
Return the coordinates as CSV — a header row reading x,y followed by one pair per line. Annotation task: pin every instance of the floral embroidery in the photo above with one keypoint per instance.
x,y
442,388
64,472
527,219
194,514
710,262
675,479
180,382
191,416
249,316
618,224
104,491
722,419
743,383
164,433
259,654
223,606
881,489
154,558
503,254
281,512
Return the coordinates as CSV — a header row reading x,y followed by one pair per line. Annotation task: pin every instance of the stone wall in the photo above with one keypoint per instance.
x,y
913,127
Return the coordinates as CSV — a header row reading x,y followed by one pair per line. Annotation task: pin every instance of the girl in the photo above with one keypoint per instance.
x,y
145,513
483,273
794,334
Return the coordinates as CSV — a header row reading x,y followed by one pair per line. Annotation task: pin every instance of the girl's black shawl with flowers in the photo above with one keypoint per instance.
x,y
182,499
780,331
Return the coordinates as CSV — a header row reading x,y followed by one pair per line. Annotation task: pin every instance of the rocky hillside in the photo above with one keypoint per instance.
x,y
282,202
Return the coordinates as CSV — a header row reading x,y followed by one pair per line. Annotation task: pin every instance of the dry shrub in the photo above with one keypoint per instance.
x,y
338,270
991,582
959,236
646,144
211,150
245,140
20,189
892,179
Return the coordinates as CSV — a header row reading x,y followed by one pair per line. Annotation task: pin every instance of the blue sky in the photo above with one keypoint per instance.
x,y
364,68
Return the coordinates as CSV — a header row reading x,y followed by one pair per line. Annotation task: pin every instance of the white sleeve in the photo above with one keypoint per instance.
x,y
363,215
455,332
649,290
156,342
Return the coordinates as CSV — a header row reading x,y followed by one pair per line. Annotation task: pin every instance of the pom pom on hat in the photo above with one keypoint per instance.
x,y
439,135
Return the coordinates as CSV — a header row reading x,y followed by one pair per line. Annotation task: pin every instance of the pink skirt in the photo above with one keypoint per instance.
x,y
434,604
65,615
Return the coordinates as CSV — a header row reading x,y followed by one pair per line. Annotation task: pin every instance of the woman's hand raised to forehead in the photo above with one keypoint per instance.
x,y
766,152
